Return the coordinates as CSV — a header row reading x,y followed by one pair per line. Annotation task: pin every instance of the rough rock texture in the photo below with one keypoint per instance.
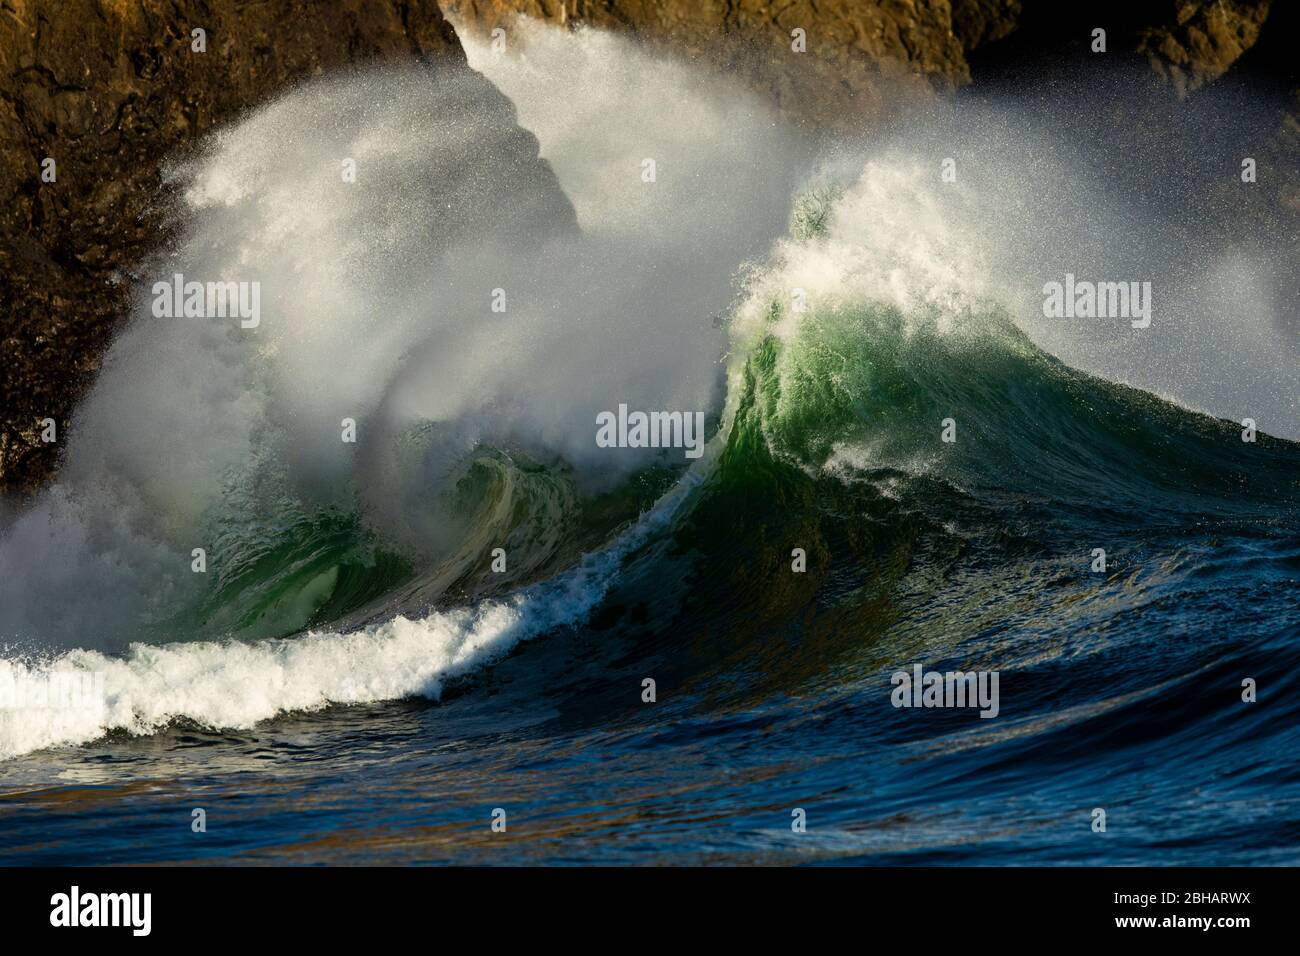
x,y
862,61
865,61
108,89
977,22
1202,41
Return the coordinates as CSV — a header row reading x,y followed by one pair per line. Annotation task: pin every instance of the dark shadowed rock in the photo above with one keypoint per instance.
x,y
976,22
1202,40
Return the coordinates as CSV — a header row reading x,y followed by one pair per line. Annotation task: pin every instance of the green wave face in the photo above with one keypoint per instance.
x,y
836,513
968,399
277,569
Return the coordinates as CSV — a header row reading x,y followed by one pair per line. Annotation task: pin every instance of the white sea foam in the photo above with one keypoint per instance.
x,y
236,685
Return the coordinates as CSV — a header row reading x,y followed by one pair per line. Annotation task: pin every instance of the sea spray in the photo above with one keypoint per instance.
x,y
377,296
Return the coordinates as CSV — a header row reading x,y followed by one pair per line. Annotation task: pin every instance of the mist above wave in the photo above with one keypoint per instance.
x,y
417,266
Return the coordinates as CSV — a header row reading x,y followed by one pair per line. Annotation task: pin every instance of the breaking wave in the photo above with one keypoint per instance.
x,y
830,318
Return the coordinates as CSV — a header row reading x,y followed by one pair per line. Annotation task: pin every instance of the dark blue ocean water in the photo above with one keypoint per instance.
x,y
1123,693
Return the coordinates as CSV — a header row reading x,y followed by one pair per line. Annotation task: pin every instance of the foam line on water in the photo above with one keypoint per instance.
x,y
78,696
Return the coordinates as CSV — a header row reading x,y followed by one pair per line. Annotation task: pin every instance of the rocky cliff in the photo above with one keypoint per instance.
x,y
863,62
